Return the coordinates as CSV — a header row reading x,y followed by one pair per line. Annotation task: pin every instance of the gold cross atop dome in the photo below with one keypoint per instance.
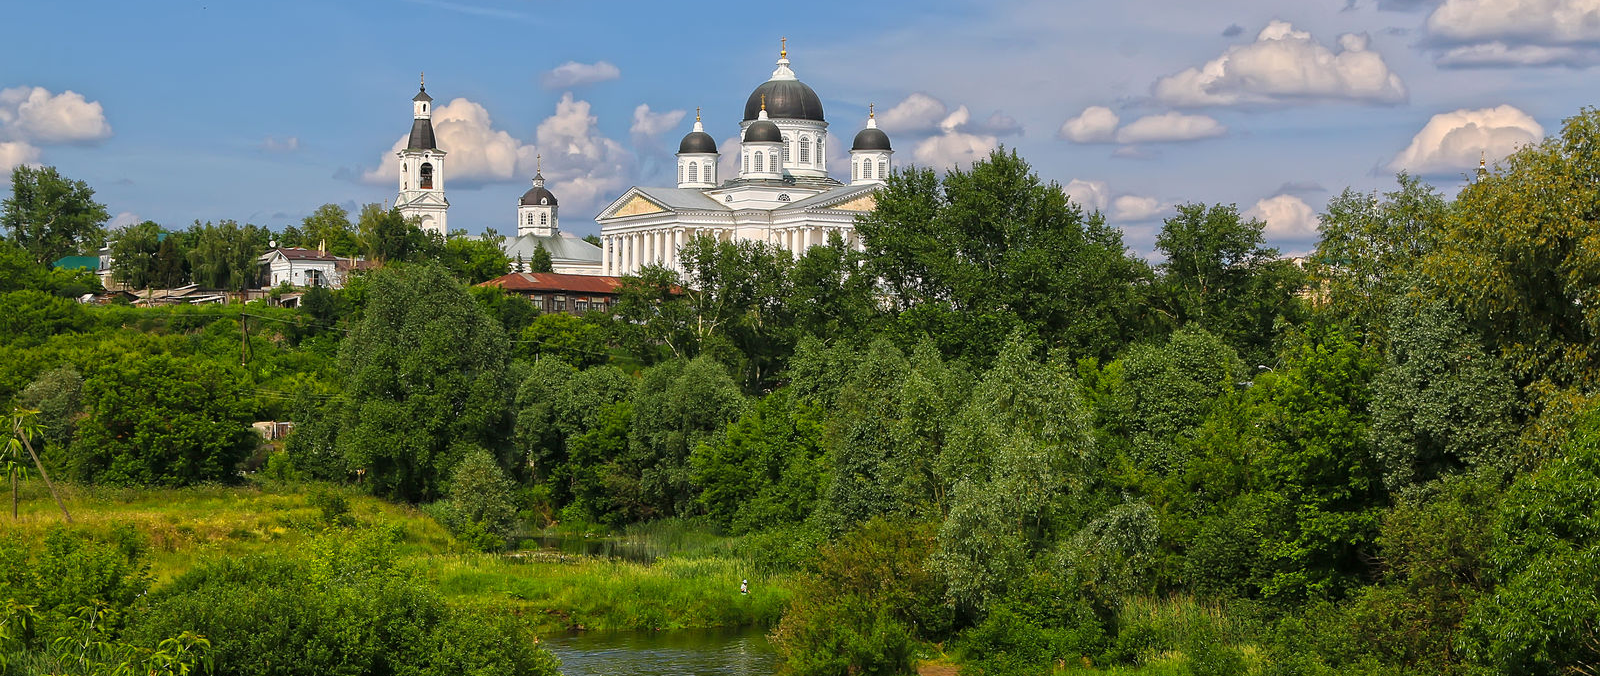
x,y
538,163
422,80
697,113
783,53
871,113
763,101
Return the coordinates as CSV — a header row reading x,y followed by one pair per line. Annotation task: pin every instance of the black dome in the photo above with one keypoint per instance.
x,y
871,138
697,142
537,196
786,99
763,131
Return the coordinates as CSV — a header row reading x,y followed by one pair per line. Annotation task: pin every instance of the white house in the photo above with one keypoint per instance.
x,y
305,267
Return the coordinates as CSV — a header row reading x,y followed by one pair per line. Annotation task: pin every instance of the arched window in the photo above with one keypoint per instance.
x,y
680,172
805,150
405,177
747,163
883,168
694,172
427,176
821,157
759,164
785,151
530,218
544,219
866,169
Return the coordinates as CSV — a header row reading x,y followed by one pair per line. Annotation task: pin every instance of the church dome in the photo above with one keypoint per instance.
x,y
785,99
538,195
871,138
763,131
697,142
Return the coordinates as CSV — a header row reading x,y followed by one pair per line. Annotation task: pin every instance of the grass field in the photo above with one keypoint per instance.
x,y
697,587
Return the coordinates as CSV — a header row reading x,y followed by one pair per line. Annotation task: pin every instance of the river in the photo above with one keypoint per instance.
x,y
743,652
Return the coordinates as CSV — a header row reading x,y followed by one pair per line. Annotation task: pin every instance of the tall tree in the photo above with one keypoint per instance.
x,y
996,240
426,377
387,236
1220,274
475,259
541,260
134,255
330,226
52,216
1372,248
1517,257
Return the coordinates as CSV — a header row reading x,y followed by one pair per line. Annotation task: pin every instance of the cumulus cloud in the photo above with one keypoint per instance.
x,y
1170,128
14,154
918,112
1285,66
955,144
34,115
1454,141
649,124
1503,33
1135,209
477,153
1091,195
1096,124
280,145
1287,217
124,219
585,165
574,74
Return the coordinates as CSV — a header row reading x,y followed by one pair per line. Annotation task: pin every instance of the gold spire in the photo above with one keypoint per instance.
x,y
538,163
784,52
1483,158
697,113
870,112
763,101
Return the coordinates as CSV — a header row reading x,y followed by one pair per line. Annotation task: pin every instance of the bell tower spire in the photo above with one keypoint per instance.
x,y
421,198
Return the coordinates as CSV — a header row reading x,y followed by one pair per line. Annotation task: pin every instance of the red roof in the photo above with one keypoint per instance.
x,y
555,282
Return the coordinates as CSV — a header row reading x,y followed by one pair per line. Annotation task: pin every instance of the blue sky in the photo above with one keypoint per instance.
x,y
260,112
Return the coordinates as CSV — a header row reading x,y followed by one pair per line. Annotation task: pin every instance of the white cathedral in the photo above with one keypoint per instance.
x,y
782,194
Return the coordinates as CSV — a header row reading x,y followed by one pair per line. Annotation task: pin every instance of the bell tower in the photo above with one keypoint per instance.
x,y
421,197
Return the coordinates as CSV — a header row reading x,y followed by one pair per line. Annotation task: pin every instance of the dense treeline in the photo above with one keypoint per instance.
x,y
991,428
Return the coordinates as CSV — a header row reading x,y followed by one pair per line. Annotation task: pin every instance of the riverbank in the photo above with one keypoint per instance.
x,y
552,592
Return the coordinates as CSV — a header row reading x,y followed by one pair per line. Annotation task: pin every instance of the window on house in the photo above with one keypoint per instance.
x,y
866,169
694,172
805,150
760,165
680,172
581,306
747,163
544,219
427,176
785,151
561,303
883,168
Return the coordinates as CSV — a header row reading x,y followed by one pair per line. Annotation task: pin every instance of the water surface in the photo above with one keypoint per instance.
x,y
743,652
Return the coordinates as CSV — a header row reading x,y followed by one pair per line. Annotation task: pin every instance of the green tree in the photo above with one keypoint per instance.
x,y
1441,405
161,420
51,215
735,291
134,255
389,237
425,373
540,262
225,255
676,406
1219,274
1517,257
996,239
481,499
1543,616
57,395
766,470
329,228
475,260
1168,390
1371,249
33,316
574,340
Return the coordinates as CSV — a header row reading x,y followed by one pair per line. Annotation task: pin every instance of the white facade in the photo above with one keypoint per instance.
x,y
421,196
302,267
782,195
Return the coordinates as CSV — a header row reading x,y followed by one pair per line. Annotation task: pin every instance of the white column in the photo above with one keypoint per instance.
x,y
807,245
605,255
630,252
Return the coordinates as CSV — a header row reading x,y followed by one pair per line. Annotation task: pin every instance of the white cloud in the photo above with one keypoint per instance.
x,y
14,154
1170,128
1499,55
574,74
583,166
919,112
1287,217
280,145
649,125
477,152
1285,66
1096,124
1517,21
953,145
1453,141
125,219
35,115
728,156
1136,208
1091,195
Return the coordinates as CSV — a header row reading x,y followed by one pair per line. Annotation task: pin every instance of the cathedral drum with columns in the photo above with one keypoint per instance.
x,y
782,194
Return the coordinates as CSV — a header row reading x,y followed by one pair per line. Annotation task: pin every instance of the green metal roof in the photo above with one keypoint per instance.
x,y
69,262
